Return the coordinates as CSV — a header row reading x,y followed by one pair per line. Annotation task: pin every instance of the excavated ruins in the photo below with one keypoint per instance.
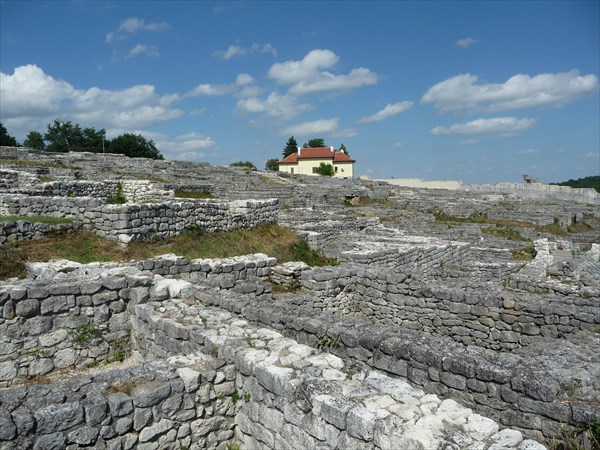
x,y
430,333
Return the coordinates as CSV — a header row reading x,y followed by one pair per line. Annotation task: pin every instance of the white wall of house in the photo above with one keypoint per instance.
x,y
309,166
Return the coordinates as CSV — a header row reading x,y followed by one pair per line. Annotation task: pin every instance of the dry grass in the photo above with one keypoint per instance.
x,y
85,247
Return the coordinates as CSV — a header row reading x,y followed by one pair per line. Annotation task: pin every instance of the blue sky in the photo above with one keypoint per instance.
x,y
475,91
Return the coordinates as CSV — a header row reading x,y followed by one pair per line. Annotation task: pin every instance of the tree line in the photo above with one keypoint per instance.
x,y
67,136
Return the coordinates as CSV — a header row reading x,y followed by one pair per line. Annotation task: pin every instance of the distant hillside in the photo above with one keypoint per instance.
x,y
587,182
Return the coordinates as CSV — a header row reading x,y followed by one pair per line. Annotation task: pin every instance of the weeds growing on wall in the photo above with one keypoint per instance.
x,y
85,247
118,198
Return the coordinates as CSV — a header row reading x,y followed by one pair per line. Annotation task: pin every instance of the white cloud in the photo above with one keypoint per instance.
x,y
237,50
465,42
307,76
398,145
592,155
322,126
528,151
31,99
520,91
468,142
134,25
275,105
391,109
243,79
142,49
210,90
498,125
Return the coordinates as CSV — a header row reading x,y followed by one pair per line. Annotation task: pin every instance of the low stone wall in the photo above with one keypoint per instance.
x,y
137,222
74,315
537,389
24,230
495,319
539,190
292,396
77,188
154,406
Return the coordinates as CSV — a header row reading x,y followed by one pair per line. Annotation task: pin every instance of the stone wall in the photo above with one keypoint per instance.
x,y
137,222
56,320
24,230
146,407
537,389
539,190
237,383
493,318
292,396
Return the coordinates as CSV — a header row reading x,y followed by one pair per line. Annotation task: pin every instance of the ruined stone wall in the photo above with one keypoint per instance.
x,y
491,318
58,320
292,396
137,222
23,230
539,190
145,407
537,389
77,188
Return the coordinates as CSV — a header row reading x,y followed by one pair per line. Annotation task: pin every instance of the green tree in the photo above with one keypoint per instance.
x,y
272,165
5,138
34,140
134,146
343,147
247,164
94,140
315,143
64,137
290,147
325,170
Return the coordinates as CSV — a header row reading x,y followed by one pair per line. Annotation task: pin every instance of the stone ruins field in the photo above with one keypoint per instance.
x,y
453,319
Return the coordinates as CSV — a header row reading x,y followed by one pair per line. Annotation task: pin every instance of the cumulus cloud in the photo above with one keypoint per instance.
x,y
462,92
465,42
315,127
31,99
243,79
142,49
237,50
210,90
307,76
134,25
498,125
275,105
391,109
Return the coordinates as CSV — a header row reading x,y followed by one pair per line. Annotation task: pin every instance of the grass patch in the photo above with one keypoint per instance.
x,y
553,228
85,247
506,232
365,200
441,216
180,193
36,219
523,254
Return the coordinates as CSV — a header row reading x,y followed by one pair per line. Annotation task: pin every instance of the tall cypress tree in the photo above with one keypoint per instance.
x,y
290,147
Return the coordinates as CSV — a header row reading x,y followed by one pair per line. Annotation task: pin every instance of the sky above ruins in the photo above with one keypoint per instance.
x,y
475,91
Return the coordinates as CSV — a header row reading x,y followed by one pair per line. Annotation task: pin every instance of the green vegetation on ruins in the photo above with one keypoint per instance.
x,y
85,247
180,193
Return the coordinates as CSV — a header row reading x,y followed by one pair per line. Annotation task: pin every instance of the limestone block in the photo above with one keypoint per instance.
x,y
58,417
150,433
480,428
190,378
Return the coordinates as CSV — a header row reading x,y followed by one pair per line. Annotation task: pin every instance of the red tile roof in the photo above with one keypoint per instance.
x,y
318,152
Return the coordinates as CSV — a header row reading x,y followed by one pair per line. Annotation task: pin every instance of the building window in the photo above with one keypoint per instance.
x,y
292,170
314,170
336,169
